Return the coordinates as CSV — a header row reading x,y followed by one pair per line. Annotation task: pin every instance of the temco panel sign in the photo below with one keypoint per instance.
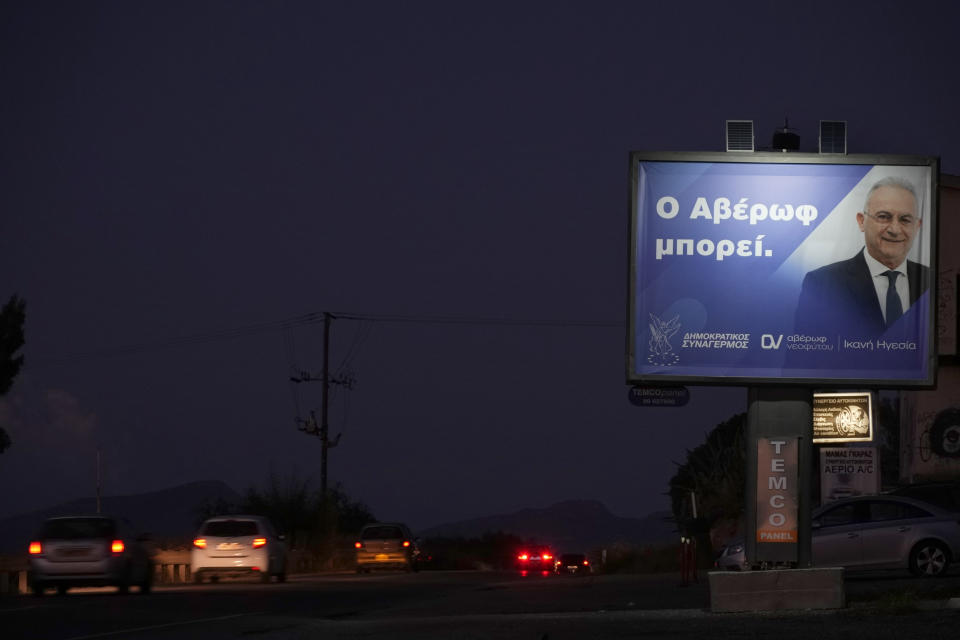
x,y
777,498
670,396
786,268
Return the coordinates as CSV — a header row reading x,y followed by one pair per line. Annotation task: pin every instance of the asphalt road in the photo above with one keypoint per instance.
x,y
468,605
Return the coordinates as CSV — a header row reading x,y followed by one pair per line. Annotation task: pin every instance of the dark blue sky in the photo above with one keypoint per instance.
x,y
185,169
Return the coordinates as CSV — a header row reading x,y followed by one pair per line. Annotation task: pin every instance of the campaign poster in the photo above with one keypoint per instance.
x,y
788,268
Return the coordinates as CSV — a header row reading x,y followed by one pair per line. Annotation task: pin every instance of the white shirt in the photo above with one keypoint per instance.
x,y
881,282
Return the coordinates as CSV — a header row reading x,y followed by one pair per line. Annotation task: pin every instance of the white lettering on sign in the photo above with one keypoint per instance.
x,y
776,505
777,465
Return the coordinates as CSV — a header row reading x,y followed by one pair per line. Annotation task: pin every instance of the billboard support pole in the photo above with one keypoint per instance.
x,y
774,415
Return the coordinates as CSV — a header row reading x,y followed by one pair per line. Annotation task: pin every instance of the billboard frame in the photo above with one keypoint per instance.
x,y
754,158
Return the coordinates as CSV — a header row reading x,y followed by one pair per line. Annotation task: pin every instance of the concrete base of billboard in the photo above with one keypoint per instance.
x,y
777,589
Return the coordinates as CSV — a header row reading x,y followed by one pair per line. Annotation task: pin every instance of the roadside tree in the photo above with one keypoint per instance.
x,y
12,317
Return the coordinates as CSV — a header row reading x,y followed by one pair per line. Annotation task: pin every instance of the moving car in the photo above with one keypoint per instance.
x,y
238,545
876,532
386,545
86,551
572,563
535,558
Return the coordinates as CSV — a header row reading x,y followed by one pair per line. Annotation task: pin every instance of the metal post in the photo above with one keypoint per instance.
x,y
98,480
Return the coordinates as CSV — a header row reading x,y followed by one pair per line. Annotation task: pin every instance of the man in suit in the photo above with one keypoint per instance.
x,y
865,295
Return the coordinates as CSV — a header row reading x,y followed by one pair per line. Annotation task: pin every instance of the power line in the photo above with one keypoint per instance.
x,y
232,333
229,333
475,320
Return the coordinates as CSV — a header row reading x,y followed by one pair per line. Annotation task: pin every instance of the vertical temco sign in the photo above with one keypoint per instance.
x,y
777,497
784,268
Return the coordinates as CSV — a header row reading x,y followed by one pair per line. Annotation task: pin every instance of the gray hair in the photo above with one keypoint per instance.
x,y
892,181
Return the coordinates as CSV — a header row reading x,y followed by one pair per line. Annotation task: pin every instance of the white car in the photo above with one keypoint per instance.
x,y
238,545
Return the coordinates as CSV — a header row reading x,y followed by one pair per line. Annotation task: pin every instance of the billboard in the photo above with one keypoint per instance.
x,y
782,268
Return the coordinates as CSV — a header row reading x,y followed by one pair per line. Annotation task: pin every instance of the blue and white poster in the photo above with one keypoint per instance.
x,y
795,270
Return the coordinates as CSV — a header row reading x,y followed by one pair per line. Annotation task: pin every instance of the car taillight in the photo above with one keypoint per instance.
x,y
586,563
358,545
259,542
523,556
116,546
547,556
35,548
406,543
200,543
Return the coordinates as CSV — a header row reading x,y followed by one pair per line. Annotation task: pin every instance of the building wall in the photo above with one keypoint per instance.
x,y
930,420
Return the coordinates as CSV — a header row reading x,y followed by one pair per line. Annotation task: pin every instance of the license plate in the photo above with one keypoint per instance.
x,y
381,557
228,546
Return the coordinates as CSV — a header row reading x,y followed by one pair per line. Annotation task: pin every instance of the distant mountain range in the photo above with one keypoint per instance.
x,y
573,525
175,513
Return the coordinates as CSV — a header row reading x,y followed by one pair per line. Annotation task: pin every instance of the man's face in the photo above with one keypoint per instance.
x,y
889,224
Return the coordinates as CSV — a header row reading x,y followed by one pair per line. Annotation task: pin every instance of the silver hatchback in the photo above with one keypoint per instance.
x,y
238,545
82,551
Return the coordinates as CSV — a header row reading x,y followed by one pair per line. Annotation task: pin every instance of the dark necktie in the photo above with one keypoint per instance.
x,y
894,308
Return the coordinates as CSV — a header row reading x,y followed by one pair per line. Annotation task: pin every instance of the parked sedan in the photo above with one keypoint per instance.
x,y
238,545
886,532
877,532
91,550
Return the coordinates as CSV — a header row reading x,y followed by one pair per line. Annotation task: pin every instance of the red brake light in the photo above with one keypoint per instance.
x,y
406,543
358,545
586,563
259,542
523,556
35,548
547,556
116,546
200,543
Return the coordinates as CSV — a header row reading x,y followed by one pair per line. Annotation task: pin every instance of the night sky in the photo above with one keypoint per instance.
x,y
187,186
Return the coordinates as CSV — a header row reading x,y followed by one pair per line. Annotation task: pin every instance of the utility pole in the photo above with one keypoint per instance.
x,y
324,409
323,429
